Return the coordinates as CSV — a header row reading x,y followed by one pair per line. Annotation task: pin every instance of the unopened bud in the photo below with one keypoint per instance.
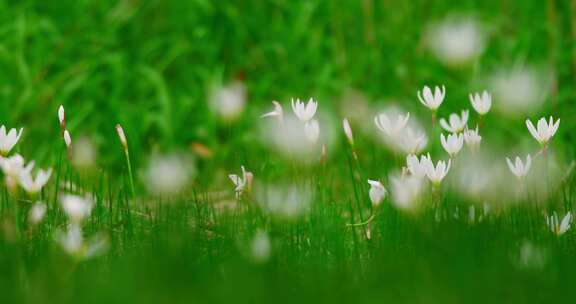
x,y
122,136
61,115
348,131
67,138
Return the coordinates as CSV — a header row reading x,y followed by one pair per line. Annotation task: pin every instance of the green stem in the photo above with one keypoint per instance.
x,y
130,176
368,221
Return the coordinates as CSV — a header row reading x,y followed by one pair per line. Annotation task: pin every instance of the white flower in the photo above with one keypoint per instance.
x,y
481,103
260,247
377,192
228,100
12,167
73,243
519,169
72,240
472,138
77,208
243,182
417,167
8,140
520,89
452,144
432,102
61,115
437,174
456,123
557,227
388,127
37,213
411,141
302,111
406,191
278,111
84,154
168,174
31,185
312,130
348,131
545,130
456,40
67,138
284,201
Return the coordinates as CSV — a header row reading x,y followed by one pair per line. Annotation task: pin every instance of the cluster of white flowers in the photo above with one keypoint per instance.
x,y
407,186
18,173
304,112
296,135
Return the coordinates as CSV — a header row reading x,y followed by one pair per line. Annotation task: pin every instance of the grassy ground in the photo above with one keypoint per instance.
x,y
149,65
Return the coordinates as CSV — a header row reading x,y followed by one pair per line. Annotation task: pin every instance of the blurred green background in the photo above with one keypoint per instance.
x,y
149,64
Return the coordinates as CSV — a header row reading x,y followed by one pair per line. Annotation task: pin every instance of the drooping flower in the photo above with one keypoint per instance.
x,y
481,103
312,130
392,129
556,226
544,131
77,208
472,138
452,144
455,123
34,185
348,131
377,192
8,139
437,174
417,167
304,112
519,169
430,101
278,111
242,183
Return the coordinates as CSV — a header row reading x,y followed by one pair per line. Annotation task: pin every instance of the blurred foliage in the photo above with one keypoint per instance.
x,y
148,64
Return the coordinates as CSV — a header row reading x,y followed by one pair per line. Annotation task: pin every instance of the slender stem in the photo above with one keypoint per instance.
x,y
545,154
130,176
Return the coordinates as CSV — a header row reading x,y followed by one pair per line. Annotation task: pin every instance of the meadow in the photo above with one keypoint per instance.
x,y
287,151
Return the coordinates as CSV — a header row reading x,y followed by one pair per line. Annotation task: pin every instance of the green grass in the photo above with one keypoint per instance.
x,y
149,65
